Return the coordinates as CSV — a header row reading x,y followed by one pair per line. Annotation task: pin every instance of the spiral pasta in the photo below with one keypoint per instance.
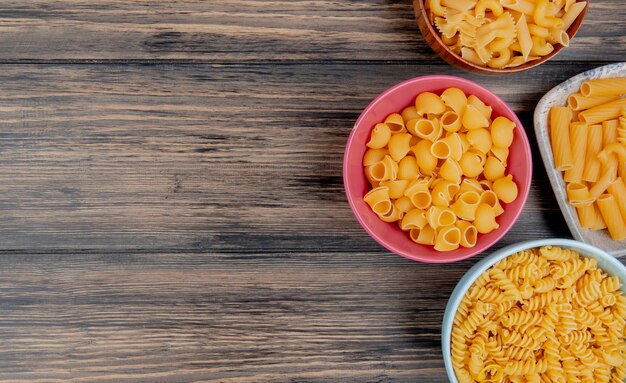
x,y
443,158
541,315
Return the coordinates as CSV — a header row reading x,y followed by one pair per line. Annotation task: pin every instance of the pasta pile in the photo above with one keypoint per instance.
x,y
589,145
541,315
503,33
438,169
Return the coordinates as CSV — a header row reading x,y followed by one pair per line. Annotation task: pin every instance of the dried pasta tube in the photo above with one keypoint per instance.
x,y
589,217
560,118
603,87
572,14
559,36
395,123
618,190
594,145
603,112
579,132
578,194
609,132
524,37
469,234
450,121
614,222
448,238
603,182
579,102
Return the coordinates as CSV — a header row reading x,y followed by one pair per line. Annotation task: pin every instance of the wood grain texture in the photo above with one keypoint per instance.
x,y
214,317
250,30
204,157
171,200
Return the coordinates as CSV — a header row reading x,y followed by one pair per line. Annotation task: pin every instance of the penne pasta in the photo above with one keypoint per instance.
x,y
610,213
523,36
603,112
578,194
594,145
572,14
603,87
578,140
560,118
618,190
589,217
609,132
578,102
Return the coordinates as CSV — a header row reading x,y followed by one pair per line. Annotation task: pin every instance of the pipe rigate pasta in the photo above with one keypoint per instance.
x,y
556,334
435,167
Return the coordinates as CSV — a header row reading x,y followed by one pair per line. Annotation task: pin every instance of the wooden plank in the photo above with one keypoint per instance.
x,y
248,30
244,158
192,317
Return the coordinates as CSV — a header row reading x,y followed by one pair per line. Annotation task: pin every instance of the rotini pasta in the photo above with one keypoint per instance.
x,y
570,327
438,168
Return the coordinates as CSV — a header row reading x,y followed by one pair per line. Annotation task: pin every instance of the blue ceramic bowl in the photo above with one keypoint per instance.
x,y
606,262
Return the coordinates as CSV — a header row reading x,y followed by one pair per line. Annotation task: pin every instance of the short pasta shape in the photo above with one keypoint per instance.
x,y
550,334
438,168
589,145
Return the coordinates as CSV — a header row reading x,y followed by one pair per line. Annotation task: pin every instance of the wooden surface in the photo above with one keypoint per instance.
x,y
171,201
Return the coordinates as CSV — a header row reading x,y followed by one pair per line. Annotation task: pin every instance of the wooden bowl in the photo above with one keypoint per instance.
x,y
434,40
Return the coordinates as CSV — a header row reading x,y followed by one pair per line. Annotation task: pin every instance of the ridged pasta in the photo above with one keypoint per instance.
x,y
437,157
570,328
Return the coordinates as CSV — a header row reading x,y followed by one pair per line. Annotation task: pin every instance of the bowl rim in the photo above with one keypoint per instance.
x,y
484,264
479,247
469,66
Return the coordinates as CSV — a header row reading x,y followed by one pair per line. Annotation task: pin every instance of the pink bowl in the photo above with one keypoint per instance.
x,y
393,100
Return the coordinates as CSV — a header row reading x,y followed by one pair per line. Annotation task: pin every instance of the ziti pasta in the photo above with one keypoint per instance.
x,y
438,169
541,315
503,33
588,138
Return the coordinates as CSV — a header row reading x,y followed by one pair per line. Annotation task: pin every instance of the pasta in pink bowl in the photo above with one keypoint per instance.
x,y
437,169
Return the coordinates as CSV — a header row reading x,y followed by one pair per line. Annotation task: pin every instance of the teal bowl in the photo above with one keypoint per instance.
x,y
606,262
